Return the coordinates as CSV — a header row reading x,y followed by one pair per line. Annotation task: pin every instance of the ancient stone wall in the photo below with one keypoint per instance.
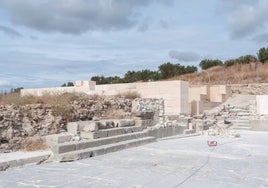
x,y
175,93
19,122
206,97
148,112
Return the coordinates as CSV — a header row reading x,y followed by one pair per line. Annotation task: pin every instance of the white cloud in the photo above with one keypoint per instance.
x,y
76,16
248,19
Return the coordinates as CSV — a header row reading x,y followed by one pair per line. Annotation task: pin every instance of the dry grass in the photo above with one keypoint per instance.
x,y
61,104
15,98
130,95
33,144
237,74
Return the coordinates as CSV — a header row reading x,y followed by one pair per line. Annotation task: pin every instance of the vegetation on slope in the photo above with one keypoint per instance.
x,y
236,74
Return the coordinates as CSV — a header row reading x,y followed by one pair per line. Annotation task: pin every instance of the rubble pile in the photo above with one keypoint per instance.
x,y
251,89
235,114
19,122
148,112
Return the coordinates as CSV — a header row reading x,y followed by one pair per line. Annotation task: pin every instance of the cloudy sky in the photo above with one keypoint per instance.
x,y
45,43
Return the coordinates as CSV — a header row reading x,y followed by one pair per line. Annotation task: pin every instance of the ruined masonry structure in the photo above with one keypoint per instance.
x,y
174,93
179,98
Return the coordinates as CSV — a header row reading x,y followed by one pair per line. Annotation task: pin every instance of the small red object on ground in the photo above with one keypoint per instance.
x,y
212,143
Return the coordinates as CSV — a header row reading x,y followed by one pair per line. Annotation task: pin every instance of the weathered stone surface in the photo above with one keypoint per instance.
x,y
88,126
58,138
20,121
125,123
94,135
63,148
106,124
110,132
104,149
148,112
145,123
73,127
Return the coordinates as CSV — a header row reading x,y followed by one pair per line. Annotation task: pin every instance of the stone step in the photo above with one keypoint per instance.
x,y
235,110
242,124
243,114
235,120
58,138
77,127
110,132
104,149
188,131
245,117
79,145
240,118
241,128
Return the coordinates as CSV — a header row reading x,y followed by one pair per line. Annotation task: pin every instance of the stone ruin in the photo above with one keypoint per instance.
x,y
142,117
18,122
85,139
91,133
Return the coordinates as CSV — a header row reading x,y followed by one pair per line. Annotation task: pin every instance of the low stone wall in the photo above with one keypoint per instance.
x,y
167,131
175,93
20,122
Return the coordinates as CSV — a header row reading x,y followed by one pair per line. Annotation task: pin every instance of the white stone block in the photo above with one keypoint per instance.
x,y
88,126
262,104
72,127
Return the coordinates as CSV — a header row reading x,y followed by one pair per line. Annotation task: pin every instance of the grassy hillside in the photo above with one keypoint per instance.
x,y
236,74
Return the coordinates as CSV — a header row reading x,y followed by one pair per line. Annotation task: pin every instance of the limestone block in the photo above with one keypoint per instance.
x,y
114,132
124,123
58,138
106,124
87,135
78,83
73,127
93,135
89,126
88,144
144,115
188,131
201,125
144,122
100,134
4,165
63,148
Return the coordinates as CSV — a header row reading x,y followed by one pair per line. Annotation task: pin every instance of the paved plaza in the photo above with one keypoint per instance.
x,y
179,162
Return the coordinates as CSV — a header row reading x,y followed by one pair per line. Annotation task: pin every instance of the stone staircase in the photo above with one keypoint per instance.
x,y
240,118
97,142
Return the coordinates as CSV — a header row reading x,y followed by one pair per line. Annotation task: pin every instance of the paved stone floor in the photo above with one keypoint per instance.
x,y
185,162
